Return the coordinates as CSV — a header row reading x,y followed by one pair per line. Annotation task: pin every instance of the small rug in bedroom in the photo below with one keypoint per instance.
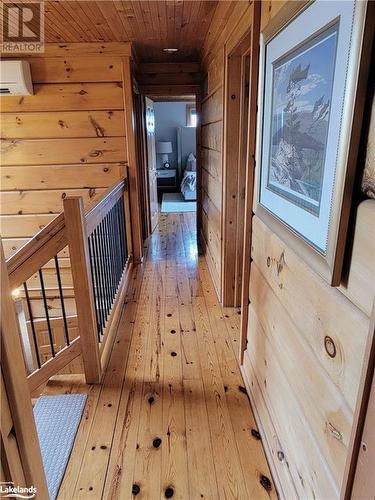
x,y
175,203
57,419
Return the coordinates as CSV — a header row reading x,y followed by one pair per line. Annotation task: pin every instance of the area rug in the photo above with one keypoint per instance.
x,y
175,203
57,419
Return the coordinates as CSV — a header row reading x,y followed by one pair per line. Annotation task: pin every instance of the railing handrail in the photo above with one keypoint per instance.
x,y
100,259
51,239
24,263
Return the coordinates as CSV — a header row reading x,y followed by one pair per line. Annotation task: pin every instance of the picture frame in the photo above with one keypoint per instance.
x,y
313,76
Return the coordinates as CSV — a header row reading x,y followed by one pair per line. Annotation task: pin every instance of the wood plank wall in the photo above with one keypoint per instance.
x,y
305,349
67,139
229,18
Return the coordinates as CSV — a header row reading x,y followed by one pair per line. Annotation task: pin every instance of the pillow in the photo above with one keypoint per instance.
x,y
191,163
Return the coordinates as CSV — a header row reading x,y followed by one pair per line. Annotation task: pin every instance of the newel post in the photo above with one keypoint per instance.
x,y
19,439
83,290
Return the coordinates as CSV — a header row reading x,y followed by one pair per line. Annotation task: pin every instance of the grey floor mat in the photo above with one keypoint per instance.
x,y
57,419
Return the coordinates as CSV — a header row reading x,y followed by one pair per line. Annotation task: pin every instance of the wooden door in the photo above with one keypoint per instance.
x,y
151,163
140,130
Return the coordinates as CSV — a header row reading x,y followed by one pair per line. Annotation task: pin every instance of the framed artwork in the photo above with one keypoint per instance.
x,y
312,90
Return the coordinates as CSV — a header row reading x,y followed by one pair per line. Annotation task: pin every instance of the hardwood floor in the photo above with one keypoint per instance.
x,y
172,417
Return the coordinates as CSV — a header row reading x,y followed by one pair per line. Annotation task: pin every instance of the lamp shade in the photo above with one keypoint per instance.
x,y
163,148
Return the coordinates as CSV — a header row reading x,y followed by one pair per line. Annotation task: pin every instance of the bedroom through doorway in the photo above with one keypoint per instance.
x,y
171,150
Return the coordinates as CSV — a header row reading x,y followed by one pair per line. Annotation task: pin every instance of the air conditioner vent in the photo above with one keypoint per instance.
x,y
15,78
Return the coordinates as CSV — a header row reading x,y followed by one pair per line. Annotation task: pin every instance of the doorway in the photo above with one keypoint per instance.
x,y
151,163
171,141
236,133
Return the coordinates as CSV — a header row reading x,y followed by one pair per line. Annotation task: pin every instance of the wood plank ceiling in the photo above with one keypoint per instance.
x,y
150,25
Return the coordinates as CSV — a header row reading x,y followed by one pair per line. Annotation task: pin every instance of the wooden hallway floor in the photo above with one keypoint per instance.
x,y
172,417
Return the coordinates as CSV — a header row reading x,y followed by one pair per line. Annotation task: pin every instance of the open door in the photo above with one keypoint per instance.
x,y
151,163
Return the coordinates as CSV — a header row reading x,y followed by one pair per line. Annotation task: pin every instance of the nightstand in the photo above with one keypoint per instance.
x,y
166,178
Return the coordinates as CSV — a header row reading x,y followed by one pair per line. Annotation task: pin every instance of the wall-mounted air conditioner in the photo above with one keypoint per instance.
x,y
15,78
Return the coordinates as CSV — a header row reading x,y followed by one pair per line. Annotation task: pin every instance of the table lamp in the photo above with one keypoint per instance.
x,y
164,148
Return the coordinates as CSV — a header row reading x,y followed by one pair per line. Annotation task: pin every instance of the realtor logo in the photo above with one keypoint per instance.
x,y
22,27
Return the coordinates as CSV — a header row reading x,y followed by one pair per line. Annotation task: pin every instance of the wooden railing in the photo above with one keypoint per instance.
x,y
88,257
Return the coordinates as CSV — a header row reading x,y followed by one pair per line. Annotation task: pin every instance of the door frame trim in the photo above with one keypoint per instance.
x,y
157,92
234,143
249,183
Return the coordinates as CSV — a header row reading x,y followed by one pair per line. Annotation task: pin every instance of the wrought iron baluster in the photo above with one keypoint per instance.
x,y
108,263
102,270
117,247
123,232
31,317
121,217
113,252
124,229
94,278
118,236
98,264
105,265
112,232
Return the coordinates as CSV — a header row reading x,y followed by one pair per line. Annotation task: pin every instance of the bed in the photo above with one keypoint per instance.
x,y
189,179
189,185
